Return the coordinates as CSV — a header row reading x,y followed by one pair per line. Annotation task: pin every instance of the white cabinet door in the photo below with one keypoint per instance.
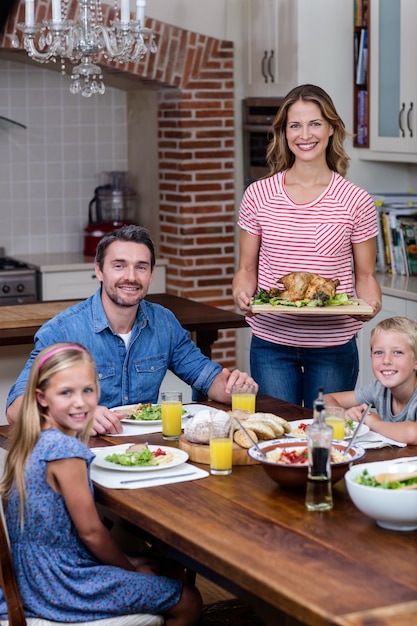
x,y
269,46
80,284
393,76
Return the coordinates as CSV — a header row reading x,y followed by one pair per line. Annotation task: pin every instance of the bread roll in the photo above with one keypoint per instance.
x,y
243,440
197,428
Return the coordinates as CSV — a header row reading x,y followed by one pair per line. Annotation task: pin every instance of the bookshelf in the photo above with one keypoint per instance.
x,y
361,74
397,234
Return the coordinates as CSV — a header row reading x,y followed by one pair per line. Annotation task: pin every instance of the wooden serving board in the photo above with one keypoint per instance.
x,y
362,308
200,452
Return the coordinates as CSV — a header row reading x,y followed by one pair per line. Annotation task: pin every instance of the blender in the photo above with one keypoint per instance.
x,y
112,206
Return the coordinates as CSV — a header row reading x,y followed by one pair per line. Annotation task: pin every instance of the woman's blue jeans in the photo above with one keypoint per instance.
x,y
295,374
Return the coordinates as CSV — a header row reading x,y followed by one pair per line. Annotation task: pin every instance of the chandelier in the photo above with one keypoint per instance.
x,y
82,41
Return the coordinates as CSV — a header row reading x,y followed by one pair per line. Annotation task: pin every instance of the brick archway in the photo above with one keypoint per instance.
x,y
194,75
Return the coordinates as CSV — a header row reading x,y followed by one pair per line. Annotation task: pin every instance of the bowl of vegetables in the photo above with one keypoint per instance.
x,y
286,460
386,491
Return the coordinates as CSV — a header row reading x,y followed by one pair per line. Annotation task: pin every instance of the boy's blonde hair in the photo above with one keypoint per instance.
x,y
400,325
32,416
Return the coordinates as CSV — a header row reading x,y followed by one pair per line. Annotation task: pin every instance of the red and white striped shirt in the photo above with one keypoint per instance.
x,y
314,237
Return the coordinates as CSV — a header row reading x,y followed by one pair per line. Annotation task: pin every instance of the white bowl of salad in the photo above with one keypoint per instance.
x,y
386,491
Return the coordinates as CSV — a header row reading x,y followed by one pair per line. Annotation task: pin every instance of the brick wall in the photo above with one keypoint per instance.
x,y
194,76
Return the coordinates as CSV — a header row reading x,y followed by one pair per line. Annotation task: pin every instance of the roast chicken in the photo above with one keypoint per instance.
x,y
307,286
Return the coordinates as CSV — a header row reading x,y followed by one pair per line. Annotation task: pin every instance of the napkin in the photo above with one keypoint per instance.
x,y
141,428
114,479
374,440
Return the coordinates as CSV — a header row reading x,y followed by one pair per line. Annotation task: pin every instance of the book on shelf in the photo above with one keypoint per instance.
x,y
362,58
408,238
360,12
397,240
362,118
383,261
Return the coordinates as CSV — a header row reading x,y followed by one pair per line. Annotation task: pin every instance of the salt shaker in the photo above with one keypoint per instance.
x,y
319,439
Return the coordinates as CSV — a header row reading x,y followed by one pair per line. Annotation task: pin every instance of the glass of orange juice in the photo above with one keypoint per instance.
x,y
221,446
171,408
244,397
335,417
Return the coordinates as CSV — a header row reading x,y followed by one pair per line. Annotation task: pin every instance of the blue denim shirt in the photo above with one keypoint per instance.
x,y
127,376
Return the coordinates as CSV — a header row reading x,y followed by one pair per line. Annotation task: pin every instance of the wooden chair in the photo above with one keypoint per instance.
x,y
14,602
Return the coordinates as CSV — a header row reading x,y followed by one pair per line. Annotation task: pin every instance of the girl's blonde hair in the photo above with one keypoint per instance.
x,y
32,416
279,157
400,325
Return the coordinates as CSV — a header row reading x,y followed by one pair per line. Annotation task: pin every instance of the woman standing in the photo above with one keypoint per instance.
x,y
305,216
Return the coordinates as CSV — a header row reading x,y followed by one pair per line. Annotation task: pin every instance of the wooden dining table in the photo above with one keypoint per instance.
x,y
18,324
257,540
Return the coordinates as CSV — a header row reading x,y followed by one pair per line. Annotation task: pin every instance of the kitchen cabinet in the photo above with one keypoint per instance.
x,y
80,284
393,79
269,45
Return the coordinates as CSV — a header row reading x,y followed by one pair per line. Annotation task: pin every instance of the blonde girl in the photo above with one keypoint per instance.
x,y
67,565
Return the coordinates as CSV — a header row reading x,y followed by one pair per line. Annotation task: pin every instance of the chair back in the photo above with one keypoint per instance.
x,y
7,578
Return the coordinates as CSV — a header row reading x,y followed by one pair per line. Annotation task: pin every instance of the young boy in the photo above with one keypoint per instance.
x,y
394,392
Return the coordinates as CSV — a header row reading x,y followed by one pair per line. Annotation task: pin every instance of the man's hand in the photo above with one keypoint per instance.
x,y
221,387
236,377
107,422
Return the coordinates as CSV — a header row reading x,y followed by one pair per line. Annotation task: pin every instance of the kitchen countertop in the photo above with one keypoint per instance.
x,y
398,286
64,261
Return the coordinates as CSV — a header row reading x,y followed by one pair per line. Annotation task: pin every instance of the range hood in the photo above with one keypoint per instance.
x,y
6,123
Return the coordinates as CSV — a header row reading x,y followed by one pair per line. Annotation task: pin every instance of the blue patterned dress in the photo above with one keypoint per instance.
x,y
58,577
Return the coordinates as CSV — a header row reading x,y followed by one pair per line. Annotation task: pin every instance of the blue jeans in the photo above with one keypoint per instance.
x,y
295,374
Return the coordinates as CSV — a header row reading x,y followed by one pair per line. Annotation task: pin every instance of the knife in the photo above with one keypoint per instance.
x,y
361,421
139,480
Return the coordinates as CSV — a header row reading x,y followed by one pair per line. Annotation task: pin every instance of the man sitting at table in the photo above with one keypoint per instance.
x,y
133,341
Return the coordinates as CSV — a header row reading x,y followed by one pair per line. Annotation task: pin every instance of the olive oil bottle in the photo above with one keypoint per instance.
x,y
319,437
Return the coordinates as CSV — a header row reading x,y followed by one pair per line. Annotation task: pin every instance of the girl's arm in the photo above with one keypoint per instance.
x,y
69,478
245,280
366,285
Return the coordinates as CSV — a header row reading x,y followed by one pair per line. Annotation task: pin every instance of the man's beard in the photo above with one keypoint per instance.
x,y
119,302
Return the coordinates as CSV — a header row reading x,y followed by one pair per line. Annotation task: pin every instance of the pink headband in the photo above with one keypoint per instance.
x,y
55,350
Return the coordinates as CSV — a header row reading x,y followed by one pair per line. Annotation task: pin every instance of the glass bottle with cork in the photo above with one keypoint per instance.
x,y
319,438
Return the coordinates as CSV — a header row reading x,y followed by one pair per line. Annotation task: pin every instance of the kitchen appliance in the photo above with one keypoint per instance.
x,y
258,115
18,284
112,206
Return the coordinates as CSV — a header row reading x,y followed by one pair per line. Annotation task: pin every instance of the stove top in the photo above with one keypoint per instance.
x,y
8,263
18,282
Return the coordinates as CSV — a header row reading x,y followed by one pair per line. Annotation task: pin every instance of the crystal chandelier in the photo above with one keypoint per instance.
x,y
82,40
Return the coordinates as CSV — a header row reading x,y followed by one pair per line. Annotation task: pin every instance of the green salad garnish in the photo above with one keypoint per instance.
x,y
264,297
369,481
132,458
146,412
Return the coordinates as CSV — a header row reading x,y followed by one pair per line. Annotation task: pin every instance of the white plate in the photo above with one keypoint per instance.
x,y
362,431
126,420
180,457
193,409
